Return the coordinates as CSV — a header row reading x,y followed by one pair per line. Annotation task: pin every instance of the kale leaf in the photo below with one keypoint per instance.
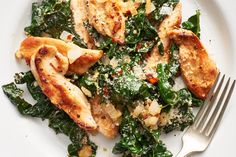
x,y
59,121
166,74
127,88
157,16
14,94
88,83
179,102
193,23
137,140
52,17
138,27
122,87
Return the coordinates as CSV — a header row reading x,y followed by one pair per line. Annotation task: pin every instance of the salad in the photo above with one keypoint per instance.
x,y
110,67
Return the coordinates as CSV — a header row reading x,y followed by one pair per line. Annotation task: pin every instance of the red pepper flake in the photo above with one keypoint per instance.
x,y
147,55
116,27
105,90
128,13
70,37
139,46
117,40
120,72
151,79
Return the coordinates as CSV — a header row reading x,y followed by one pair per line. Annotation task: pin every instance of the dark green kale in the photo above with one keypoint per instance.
x,y
122,87
14,94
137,140
140,30
59,121
127,88
157,16
166,74
193,23
28,79
174,65
167,94
88,83
52,17
180,102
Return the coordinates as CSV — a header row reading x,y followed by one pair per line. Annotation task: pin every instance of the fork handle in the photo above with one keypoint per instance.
x,y
184,152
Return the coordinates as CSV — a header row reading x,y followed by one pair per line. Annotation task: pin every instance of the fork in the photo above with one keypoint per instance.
x,y
199,135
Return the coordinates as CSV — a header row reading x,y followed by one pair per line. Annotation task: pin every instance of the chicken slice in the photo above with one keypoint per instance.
x,y
49,66
197,68
154,59
173,21
30,46
80,14
107,18
105,123
80,59
169,23
130,7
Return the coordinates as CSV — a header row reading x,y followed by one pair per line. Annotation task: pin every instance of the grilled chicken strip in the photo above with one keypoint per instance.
x,y
50,59
80,14
80,59
130,7
107,18
49,67
197,68
105,123
171,22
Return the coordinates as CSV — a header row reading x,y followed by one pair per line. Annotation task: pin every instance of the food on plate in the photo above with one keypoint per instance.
x,y
80,14
198,70
107,123
80,59
110,67
173,21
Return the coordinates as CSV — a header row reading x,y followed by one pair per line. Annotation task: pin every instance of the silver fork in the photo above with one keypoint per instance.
x,y
199,135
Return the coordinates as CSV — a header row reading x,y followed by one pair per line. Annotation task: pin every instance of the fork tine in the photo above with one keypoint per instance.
x,y
217,108
210,105
217,115
203,109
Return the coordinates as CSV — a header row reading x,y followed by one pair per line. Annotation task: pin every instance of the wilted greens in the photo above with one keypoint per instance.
x,y
136,140
51,18
59,121
193,23
114,78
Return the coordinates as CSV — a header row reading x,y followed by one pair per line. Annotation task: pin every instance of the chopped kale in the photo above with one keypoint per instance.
x,y
157,16
52,17
122,87
137,140
174,65
139,29
14,94
196,101
88,83
32,86
117,84
180,102
193,23
127,88
59,121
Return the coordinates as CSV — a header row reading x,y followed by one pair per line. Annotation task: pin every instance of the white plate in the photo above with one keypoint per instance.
x,y
26,137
